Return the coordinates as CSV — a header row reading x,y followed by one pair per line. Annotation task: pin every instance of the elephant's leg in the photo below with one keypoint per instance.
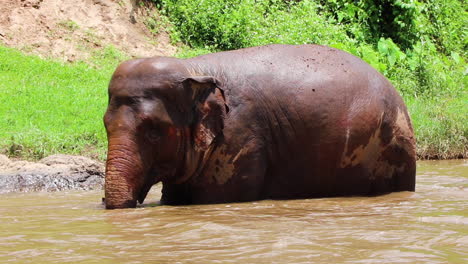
x,y
402,157
231,178
395,169
249,180
176,194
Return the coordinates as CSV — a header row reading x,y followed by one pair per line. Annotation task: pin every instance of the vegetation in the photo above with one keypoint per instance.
x,y
50,107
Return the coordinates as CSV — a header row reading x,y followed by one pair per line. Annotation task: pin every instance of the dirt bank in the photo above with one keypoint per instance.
x,y
53,173
74,30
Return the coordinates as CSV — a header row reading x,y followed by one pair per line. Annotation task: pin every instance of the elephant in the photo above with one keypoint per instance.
x,y
267,122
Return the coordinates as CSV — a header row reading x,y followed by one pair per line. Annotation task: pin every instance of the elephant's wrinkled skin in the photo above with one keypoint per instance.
x,y
271,122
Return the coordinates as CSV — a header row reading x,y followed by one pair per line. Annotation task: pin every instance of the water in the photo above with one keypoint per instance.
x,y
429,226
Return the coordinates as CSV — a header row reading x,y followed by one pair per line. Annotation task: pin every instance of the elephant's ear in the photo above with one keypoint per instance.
x,y
210,109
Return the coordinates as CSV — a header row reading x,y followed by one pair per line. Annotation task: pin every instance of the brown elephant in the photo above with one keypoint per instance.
x,y
270,122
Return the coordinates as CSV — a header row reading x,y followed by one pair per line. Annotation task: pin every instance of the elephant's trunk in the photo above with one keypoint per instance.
x,y
124,174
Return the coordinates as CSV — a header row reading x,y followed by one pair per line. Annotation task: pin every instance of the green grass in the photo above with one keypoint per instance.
x,y
440,126
50,107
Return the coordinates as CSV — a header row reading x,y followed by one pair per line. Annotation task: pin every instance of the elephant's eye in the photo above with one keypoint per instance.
x,y
124,100
154,135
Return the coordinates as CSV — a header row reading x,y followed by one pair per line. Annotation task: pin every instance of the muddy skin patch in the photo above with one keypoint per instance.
x,y
370,155
402,126
221,165
364,153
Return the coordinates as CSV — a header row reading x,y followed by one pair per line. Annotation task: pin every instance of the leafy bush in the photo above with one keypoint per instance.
x,y
225,25
444,23
373,20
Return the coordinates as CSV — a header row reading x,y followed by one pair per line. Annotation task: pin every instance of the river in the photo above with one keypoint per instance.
x,y
428,226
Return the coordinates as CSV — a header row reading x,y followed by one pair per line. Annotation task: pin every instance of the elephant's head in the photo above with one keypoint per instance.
x,y
160,121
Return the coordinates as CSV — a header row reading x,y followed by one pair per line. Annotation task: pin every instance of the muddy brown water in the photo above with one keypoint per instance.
x,y
429,226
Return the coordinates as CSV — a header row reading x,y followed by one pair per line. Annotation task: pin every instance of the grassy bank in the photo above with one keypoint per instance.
x,y
440,126
49,107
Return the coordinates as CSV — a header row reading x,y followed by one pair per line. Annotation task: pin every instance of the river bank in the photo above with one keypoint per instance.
x,y
53,173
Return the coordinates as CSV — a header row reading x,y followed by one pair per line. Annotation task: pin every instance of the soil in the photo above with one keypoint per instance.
x,y
53,173
73,30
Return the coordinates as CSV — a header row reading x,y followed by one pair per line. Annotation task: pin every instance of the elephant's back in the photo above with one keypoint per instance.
x,y
310,73
284,62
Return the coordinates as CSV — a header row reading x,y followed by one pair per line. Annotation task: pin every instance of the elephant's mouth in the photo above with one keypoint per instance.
x,y
166,172
151,178
143,193
155,175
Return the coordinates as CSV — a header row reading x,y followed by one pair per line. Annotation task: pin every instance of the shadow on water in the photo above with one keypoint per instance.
x,y
428,226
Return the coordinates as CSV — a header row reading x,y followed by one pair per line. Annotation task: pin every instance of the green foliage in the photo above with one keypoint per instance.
x,y
390,52
153,24
428,73
224,25
156,23
444,23
372,20
233,24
